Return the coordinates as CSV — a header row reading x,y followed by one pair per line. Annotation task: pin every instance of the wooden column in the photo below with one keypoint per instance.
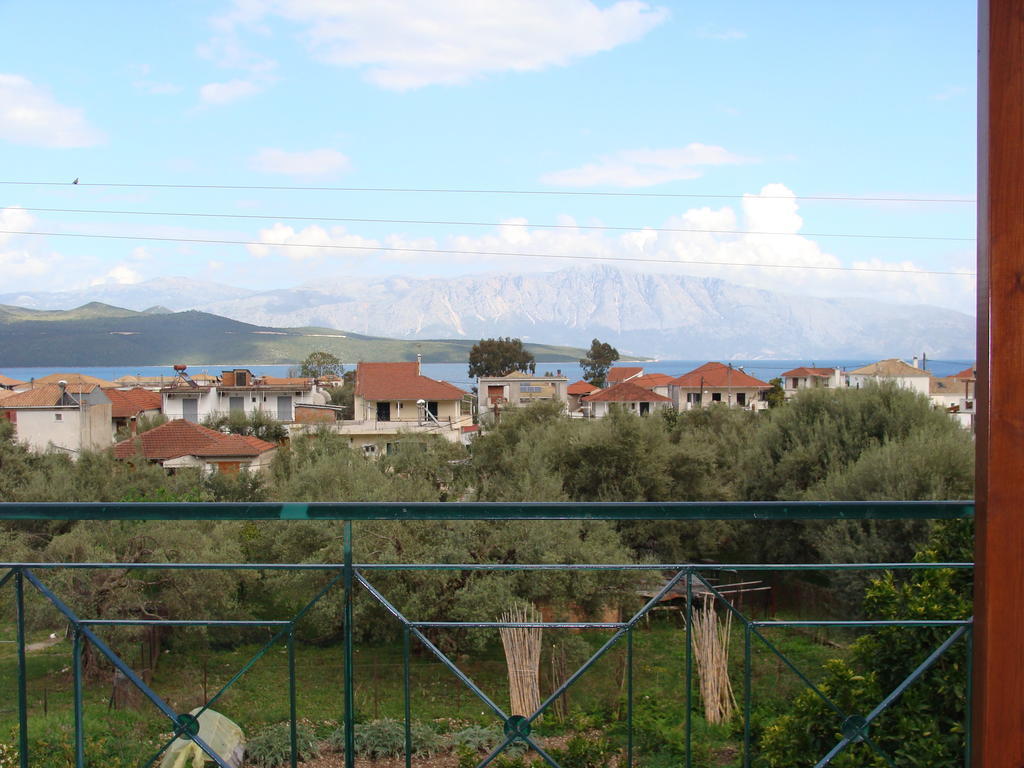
x,y
998,726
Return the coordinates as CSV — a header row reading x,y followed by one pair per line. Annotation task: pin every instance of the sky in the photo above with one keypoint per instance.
x,y
726,116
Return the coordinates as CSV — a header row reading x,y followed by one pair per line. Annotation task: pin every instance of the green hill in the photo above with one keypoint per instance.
x,y
101,335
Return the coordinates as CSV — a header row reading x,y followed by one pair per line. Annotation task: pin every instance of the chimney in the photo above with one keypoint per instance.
x,y
915,361
419,361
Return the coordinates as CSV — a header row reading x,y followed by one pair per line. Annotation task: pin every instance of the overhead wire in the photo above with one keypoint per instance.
x,y
524,225
458,252
478,191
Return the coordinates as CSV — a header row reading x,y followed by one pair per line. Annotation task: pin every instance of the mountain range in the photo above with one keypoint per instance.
x,y
98,334
662,315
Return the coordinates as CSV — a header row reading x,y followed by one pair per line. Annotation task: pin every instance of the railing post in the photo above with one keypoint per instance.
x,y
293,731
689,668
19,601
629,698
748,696
76,653
350,694
405,691
998,712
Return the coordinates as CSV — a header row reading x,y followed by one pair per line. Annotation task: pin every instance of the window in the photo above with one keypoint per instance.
x,y
370,449
530,388
693,398
58,417
741,398
716,397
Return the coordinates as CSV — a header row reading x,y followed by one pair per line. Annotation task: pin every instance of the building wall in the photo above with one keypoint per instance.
x,y
314,415
65,428
522,390
601,408
918,384
725,396
407,410
253,400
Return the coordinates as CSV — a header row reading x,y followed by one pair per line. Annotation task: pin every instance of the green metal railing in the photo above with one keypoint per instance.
x,y
350,576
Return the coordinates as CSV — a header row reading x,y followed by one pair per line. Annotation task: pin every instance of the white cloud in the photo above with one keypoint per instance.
x,y
315,162
30,115
645,167
720,242
310,241
404,44
225,93
19,256
121,274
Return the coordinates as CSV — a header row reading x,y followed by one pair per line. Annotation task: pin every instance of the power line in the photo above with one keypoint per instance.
x,y
469,191
488,224
451,251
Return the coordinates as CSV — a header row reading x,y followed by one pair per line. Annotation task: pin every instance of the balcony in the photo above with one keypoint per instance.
x,y
349,693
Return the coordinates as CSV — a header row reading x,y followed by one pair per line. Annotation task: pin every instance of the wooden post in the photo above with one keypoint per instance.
x,y
998,695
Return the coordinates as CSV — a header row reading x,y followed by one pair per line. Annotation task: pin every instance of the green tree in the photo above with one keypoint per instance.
x,y
257,424
320,364
925,725
499,357
776,395
597,362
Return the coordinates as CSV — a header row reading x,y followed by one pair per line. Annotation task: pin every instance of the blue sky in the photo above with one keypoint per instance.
x,y
787,99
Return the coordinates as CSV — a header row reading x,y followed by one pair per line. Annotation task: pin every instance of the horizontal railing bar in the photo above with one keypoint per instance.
x,y
181,623
506,566
522,624
676,510
866,623
652,566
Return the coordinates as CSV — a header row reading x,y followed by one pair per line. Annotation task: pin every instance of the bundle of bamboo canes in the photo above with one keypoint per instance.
x,y
522,654
711,651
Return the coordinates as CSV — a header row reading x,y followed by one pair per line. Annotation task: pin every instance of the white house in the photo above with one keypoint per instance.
x,y
518,389
627,395
804,377
395,399
62,417
238,391
905,375
714,383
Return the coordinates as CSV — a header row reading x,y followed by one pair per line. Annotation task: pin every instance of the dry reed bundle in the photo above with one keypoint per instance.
x,y
522,654
711,651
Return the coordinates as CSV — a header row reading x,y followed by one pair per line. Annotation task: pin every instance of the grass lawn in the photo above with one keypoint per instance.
x,y
191,671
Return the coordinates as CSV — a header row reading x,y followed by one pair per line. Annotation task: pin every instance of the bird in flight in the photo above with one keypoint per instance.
x,y
75,181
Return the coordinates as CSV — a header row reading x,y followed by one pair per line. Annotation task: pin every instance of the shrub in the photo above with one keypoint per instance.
x,y
272,746
475,738
386,738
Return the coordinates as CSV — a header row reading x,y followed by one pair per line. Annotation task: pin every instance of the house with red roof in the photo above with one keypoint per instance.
x,y
575,392
180,444
237,391
6,382
810,378
656,382
519,389
627,395
714,383
127,405
60,417
620,373
394,399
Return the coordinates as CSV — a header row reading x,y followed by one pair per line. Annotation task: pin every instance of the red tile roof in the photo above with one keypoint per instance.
x,y
46,396
7,381
74,378
805,371
401,381
966,373
652,380
183,438
581,388
622,372
128,403
717,376
626,392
